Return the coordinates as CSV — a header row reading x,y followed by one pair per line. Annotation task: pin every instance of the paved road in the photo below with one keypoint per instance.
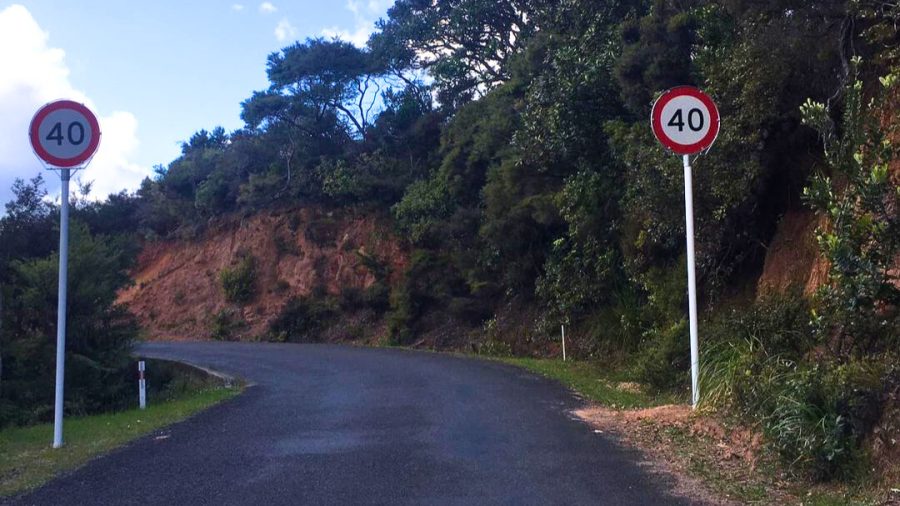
x,y
340,425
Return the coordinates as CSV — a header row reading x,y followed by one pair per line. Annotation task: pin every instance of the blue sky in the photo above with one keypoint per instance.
x,y
154,72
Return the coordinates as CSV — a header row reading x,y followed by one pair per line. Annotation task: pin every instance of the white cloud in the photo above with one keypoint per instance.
x,y
378,7
35,73
267,8
358,38
364,16
112,168
285,31
237,7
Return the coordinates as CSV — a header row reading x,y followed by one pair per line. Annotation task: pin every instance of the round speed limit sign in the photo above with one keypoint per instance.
x,y
64,134
685,120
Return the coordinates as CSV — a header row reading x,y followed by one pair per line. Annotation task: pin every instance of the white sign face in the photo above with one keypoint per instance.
x,y
685,120
64,134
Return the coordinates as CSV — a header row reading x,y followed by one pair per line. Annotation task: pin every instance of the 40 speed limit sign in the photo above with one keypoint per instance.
x,y
64,134
685,120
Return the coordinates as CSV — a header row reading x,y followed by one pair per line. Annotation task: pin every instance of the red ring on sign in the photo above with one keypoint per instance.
x,y
64,163
685,149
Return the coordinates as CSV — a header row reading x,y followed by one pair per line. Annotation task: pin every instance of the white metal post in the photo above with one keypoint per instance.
x,y
142,385
563,329
61,310
692,280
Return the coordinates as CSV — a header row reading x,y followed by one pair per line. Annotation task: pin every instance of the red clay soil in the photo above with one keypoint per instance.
x,y
177,288
793,260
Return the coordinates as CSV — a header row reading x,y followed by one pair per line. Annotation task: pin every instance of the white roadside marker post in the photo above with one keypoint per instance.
x,y
563,330
64,135
686,121
142,385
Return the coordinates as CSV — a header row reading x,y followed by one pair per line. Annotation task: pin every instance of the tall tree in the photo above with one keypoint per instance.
x,y
316,79
466,45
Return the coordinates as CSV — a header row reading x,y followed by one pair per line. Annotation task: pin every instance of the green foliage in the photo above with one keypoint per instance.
x,y
756,344
656,54
859,309
225,325
423,208
99,332
816,413
439,36
302,319
239,282
664,361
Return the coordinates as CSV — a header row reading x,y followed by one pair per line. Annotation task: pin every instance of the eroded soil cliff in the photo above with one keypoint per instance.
x,y
178,291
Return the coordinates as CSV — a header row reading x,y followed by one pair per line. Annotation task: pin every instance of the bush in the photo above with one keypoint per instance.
x,y
860,303
301,319
99,332
761,342
665,361
822,414
239,283
816,415
225,324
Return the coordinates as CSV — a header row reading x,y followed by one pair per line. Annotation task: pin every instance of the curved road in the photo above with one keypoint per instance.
x,y
340,425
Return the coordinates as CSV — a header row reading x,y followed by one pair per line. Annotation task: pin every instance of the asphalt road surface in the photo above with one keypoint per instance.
x,y
329,424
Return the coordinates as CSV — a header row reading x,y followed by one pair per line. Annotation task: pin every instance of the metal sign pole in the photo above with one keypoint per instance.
x,y
692,279
61,310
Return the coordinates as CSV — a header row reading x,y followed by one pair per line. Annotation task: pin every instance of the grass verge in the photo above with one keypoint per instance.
x,y
607,386
27,460
699,454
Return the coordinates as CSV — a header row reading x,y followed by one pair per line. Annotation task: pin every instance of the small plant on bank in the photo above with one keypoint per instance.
x,y
225,324
302,319
239,283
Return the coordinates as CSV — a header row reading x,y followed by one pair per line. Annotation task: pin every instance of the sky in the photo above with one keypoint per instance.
x,y
153,72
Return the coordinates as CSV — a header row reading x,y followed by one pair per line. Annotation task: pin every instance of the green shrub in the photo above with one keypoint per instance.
x,y
495,348
758,343
282,286
99,332
858,311
225,324
822,414
351,299
283,245
239,283
665,361
401,317
378,297
758,363
302,319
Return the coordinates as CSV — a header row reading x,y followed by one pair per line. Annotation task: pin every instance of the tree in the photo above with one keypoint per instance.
x,y
466,45
315,79
99,332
